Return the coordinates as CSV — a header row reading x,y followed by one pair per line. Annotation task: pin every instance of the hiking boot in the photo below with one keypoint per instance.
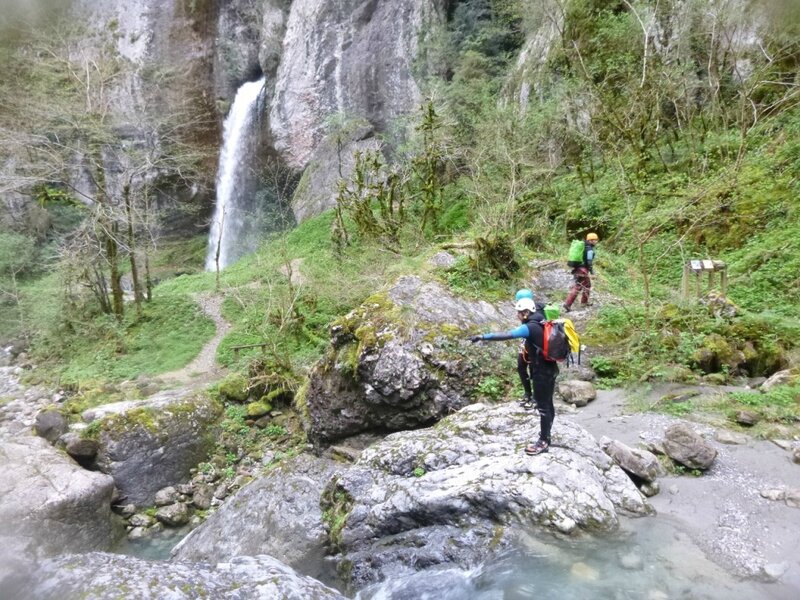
x,y
565,308
530,405
525,400
539,447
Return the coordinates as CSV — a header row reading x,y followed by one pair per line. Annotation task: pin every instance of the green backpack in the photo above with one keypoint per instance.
x,y
575,256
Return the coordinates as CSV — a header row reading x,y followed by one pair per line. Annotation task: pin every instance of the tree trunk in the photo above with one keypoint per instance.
x,y
137,288
148,280
112,255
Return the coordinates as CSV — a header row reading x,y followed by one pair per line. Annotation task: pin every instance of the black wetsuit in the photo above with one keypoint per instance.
x,y
543,372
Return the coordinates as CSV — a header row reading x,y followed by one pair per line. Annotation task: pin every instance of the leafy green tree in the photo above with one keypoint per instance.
x,y
79,129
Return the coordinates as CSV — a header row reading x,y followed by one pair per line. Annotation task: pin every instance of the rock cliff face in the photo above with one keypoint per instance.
x,y
167,50
345,71
352,58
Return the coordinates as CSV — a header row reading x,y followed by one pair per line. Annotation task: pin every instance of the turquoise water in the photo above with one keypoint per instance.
x,y
648,560
155,547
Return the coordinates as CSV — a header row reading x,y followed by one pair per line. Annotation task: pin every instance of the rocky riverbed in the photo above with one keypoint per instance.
x,y
455,505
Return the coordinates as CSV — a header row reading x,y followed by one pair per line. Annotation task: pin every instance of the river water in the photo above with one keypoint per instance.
x,y
648,559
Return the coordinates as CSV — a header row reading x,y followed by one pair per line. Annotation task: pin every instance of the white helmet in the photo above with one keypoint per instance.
x,y
525,304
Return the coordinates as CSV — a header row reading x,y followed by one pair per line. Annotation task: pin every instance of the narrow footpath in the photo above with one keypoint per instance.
x,y
203,369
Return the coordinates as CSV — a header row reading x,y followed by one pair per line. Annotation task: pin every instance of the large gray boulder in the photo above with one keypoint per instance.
x,y
687,447
456,492
641,463
49,505
99,576
400,361
283,518
150,444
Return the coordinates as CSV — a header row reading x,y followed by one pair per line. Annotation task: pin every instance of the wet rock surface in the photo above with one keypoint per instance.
x,y
463,485
283,516
99,576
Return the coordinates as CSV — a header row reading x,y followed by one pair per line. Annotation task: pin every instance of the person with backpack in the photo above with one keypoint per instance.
x,y
524,364
543,372
581,256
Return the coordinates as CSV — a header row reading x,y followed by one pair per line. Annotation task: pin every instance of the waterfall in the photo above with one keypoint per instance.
x,y
234,221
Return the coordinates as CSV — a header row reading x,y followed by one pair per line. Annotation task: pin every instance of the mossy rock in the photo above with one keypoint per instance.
x,y
258,409
713,354
91,398
234,388
300,400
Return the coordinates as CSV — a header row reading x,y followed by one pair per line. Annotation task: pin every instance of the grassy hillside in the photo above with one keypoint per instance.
x,y
616,139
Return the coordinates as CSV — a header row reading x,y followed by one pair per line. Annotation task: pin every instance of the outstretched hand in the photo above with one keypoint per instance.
x,y
475,339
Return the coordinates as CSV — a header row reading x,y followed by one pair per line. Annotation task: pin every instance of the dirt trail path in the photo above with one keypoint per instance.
x,y
203,369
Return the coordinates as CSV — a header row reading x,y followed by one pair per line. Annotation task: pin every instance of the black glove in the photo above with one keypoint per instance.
x,y
476,338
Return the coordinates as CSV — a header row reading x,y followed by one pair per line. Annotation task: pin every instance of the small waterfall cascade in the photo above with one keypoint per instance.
x,y
234,207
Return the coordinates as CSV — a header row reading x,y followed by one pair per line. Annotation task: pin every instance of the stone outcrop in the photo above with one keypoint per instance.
x,y
451,494
110,576
150,444
283,518
400,361
49,505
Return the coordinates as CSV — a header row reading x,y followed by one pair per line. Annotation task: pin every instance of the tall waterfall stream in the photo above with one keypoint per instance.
x,y
234,210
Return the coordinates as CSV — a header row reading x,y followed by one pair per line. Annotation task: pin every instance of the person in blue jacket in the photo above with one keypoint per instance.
x,y
543,372
524,363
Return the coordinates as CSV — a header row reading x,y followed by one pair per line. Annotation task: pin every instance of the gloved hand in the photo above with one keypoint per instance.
x,y
476,338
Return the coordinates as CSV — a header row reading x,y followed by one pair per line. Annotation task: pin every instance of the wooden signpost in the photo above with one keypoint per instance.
x,y
693,272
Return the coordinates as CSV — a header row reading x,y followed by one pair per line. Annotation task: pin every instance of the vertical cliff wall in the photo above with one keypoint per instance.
x,y
350,62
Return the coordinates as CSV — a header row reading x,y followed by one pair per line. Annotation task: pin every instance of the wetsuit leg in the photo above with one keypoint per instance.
x,y
586,282
522,369
544,384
